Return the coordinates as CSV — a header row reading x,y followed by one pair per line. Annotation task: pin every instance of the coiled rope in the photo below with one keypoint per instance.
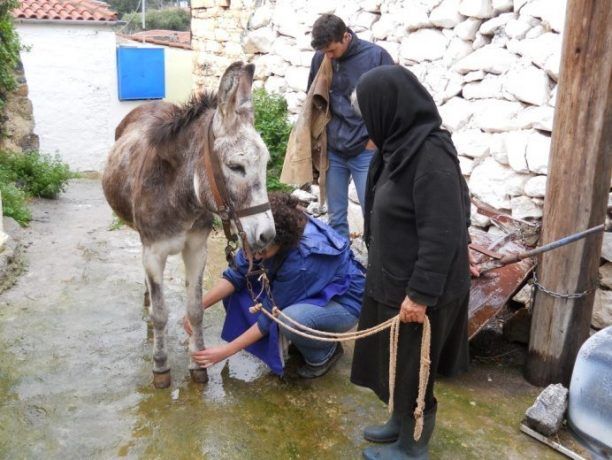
x,y
392,324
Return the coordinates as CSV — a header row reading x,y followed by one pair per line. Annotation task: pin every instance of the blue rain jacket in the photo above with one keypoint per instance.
x,y
320,268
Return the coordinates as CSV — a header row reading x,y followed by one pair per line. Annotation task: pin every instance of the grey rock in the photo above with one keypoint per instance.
x,y
548,410
606,247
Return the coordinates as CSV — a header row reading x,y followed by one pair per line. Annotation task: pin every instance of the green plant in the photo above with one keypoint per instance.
x,y
23,176
37,175
9,49
165,19
116,224
273,125
14,202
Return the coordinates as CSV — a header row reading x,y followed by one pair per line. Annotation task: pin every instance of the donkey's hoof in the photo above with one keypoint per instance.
x,y
162,379
199,375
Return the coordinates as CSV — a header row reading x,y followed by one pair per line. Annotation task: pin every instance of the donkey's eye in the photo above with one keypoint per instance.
x,y
239,169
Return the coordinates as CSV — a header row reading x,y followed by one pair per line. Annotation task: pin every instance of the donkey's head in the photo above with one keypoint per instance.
x,y
242,152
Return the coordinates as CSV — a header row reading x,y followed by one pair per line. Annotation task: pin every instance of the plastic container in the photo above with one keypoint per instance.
x,y
590,394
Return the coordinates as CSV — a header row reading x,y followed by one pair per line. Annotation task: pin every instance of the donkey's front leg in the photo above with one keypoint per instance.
x,y
154,262
194,257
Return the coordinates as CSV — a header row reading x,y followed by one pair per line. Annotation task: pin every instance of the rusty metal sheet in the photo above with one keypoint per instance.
x,y
491,292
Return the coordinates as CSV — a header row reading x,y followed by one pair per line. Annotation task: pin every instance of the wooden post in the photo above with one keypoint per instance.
x,y
576,191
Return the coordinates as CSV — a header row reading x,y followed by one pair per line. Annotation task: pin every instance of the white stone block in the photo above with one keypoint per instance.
x,y
518,28
536,187
529,84
497,147
473,76
524,208
261,17
392,48
551,12
491,26
456,113
413,16
424,45
488,183
467,29
277,85
260,41
518,5
457,49
472,143
466,164
477,219
453,87
446,14
553,64
489,88
482,40
553,97
536,117
516,147
295,101
355,218
535,31
476,8
384,27
488,59
285,48
516,184
602,309
268,64
493,115
501,6
538,150
539,49
371,6
297,78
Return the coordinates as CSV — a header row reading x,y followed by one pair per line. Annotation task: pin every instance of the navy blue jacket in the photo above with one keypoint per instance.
x,y
346,132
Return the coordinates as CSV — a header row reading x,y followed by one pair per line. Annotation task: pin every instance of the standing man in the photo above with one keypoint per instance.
x,y
349,148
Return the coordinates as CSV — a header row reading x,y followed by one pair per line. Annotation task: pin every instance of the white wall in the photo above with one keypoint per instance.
x,y
72,79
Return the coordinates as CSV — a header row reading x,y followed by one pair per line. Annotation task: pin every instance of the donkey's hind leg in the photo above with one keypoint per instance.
x,y
194,256
154,262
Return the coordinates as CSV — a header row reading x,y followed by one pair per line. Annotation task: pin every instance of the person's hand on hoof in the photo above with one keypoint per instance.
x,y
474,268
212,355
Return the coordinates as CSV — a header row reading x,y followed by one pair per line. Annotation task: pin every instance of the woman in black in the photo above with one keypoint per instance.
x,y
417,214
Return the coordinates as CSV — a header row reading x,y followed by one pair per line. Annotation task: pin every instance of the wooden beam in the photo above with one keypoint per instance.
x,y
576,192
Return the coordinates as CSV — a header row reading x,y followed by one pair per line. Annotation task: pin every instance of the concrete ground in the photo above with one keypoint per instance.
x,y
75,368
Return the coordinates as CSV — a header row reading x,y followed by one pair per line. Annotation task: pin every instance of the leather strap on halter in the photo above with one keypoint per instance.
x,y
226,211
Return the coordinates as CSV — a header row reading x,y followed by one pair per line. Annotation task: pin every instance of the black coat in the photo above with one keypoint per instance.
x,y
417,214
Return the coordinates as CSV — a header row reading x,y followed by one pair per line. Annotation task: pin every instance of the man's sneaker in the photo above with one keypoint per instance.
x,y
308,371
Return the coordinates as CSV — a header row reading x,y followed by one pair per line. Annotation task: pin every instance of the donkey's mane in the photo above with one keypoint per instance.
x,y
168,126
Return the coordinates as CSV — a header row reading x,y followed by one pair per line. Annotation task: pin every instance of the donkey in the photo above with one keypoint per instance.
x,y
156,181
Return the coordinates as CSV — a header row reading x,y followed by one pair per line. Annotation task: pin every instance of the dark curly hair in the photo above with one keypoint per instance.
x,y
288,219
326,29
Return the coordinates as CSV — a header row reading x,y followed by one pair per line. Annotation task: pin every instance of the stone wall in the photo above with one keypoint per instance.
x,y
491,65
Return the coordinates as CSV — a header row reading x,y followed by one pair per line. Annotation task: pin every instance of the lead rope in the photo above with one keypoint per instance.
x,y
392,324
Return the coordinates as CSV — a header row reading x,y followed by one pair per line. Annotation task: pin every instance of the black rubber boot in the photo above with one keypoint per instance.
x,y
406,447
387,432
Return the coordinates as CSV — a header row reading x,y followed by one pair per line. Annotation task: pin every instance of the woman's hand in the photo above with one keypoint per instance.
x,y
212,355
474,268
412,312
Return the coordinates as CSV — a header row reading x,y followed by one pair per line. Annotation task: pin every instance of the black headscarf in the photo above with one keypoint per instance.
x,y
399,114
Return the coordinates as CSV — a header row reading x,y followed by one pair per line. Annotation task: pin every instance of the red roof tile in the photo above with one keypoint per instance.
x,y
67,10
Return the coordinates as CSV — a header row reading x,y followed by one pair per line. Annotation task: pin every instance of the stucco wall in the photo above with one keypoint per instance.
x,y
72,78
179,74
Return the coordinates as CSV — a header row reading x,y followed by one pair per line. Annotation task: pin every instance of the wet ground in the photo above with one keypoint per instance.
x,y
75,368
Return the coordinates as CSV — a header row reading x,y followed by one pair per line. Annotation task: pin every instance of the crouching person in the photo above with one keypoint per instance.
x,y
314,280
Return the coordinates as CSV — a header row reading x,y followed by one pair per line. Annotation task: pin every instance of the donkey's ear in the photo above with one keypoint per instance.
x,y
235,90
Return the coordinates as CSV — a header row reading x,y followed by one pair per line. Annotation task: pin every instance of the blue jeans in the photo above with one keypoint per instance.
x,y
338,177
332,317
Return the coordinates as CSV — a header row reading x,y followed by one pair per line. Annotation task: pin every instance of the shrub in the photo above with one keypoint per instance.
x,y
274,127
9,49
29,175
165,19
38,175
